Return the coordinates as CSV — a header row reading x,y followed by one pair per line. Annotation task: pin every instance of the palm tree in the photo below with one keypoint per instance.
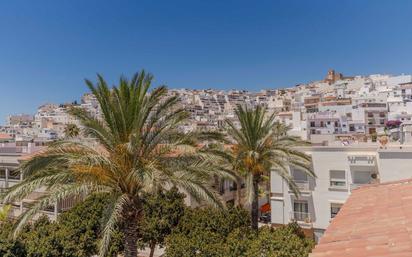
x,y
71,130
138,150
261,144
4,212
228,162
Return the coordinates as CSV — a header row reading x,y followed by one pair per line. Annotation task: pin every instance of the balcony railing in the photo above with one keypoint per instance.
x,y
302,185
362,160
301,217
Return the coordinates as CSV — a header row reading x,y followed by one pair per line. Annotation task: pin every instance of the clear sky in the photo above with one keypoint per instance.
x,y
47,48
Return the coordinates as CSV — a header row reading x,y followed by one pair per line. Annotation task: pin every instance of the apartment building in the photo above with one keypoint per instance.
x,y
311,103
327,123
20,120
11,156
339,170
376,116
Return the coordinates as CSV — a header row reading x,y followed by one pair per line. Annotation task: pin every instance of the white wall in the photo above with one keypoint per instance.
x,y
395,164
392,163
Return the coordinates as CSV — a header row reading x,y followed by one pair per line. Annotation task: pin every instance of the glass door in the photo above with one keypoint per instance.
x,y
301,210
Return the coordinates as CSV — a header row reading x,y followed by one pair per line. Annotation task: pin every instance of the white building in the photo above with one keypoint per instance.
x,y
339,169
11,155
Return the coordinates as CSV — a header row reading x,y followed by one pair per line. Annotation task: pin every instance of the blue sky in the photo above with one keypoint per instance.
x,y
47,48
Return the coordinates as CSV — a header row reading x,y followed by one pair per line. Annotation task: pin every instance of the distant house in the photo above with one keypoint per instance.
x,y
6,138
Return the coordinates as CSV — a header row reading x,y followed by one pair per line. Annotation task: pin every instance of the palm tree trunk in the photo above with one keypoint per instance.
x,y
131,235
131,231
255,203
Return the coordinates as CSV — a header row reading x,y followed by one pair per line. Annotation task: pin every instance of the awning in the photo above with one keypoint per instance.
x,y
265,208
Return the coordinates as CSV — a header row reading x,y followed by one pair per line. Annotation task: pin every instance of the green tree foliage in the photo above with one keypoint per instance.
x,y
203,231
238,242
287,241
41,239
162,213
10,247
74,234
208,232
80,227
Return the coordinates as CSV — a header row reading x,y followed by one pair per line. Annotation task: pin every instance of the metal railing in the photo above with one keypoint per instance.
x,y
302,185
361,160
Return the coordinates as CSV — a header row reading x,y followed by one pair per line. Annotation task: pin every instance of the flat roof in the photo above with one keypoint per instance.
x,y
360,146
375,221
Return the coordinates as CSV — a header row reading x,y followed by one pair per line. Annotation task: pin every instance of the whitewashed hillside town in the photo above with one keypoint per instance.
x,y
360,128
336,108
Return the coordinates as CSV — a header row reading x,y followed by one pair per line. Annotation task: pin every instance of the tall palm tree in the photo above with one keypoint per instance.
x,y
228,162
138,150
71,130
261,144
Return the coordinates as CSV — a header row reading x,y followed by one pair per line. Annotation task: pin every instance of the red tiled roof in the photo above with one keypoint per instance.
x,y
5,136
376,221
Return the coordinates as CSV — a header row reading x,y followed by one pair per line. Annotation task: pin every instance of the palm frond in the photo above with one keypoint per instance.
x,y
114,216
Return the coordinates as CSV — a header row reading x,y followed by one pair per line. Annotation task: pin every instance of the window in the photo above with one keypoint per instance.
x,y
361,177
301,179
337,179
312,124
299,175
233,186
301,210
14,175
334,209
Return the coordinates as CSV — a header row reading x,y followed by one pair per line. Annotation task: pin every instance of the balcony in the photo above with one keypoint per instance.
x,y
303,218
361,160
302,185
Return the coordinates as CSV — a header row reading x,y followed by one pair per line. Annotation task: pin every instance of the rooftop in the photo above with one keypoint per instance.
x,y
376,221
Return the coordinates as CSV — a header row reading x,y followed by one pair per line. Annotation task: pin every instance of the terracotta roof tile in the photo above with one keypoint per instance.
x,y
5,136
376,221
